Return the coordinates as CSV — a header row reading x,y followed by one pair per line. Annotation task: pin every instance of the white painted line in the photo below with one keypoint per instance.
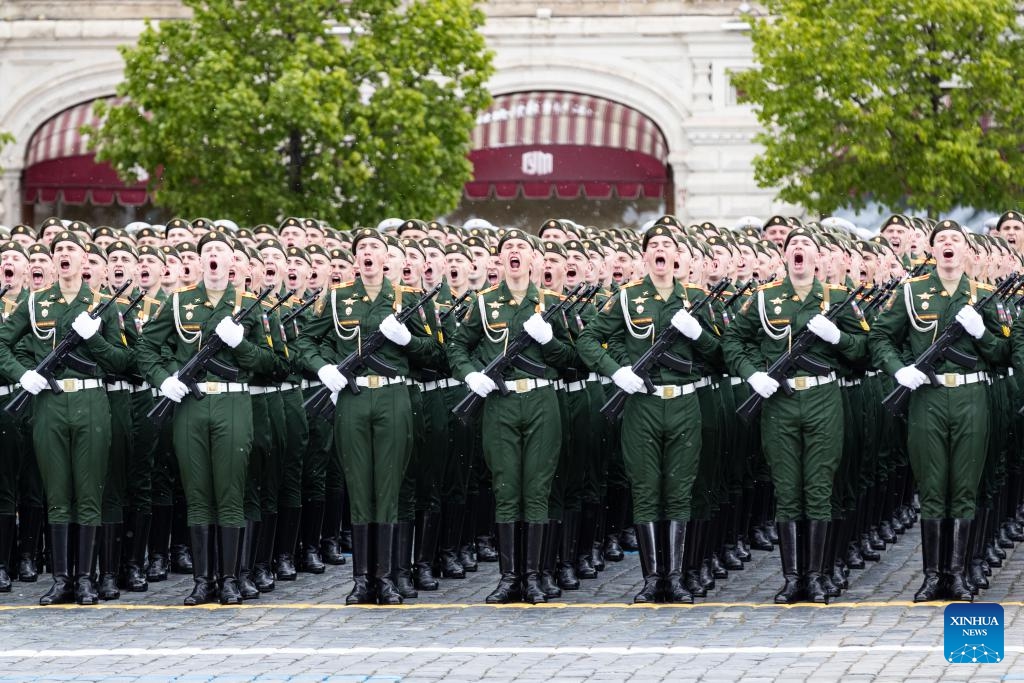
x,y
153,653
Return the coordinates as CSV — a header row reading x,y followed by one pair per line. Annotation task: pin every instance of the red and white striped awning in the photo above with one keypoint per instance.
x,y
544,142
60,167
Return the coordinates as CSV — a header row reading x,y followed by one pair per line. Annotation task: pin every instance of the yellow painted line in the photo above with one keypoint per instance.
x,y
463,606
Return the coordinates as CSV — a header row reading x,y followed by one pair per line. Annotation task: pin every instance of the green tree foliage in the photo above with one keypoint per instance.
x,y
254,110
916,104
5,139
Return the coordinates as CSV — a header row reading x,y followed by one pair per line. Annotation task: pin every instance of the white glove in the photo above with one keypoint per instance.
x,y
910,377
174,389
480,384
33,382
627,380
230,332
686,324
763,384
334,397
395,331
332,378
85,325
538,328
824,328
972,322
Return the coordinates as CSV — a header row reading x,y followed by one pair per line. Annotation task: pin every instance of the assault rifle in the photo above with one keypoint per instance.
x,y
792,360
659,354
942,348
738,293
363,357
203,361
298,311
512,357
458,308
63,354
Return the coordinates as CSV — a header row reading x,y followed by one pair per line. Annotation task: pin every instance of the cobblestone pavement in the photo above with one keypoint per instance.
x,y
302,632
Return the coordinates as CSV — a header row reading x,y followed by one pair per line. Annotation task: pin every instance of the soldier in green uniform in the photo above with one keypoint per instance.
x,y
947,426
661,431
71,430
801,434
212,437
13,269
373,429
518,429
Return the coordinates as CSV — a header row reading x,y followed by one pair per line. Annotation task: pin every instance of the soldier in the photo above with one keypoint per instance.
x,y
71,430
373,429
947,426
518,429
211,437
661,432
801,435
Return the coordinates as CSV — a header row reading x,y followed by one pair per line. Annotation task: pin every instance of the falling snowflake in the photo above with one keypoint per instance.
x,y
974,654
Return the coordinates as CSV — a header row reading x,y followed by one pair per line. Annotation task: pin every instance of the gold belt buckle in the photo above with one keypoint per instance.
x,y
213,387
522,386
800,383
668,392
69,385
373,381
949,379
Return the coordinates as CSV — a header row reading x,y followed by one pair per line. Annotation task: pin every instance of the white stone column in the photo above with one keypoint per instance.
x,y
10,197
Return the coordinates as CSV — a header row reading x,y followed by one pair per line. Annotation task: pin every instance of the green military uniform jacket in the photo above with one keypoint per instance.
x,y
187,321
348,317
43,318
770,320
496,318
917,314
630,322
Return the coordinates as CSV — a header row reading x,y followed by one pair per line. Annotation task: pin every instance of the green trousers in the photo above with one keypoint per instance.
x,y
373,431
115,491
802,439
947,440
212,440
259,458
296,432
11,454
457,458
521,435
661,446
71,435
600,445
430,465
145,435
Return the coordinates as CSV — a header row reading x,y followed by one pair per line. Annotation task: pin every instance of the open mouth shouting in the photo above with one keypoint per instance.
x,y
492,276
37,277
271,272
406,273
248,283
617,275
798,259
8,274
231,274
212,265
947,253
118,274
453,273
547,278
335,279
293,279
428,272
571,272
64,265
87,276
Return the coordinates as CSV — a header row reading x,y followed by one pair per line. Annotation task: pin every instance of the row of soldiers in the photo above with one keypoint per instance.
x,y
303,310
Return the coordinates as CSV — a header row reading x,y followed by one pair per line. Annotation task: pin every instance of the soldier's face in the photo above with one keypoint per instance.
x,y
554,234
516,258
721,264
433,268
621,266
554,271
371,254
412,269
41,272
150,242
395,264
293,236
495,270
103,241
150,268
950,249
319,271
298,274
745,263
13,267
577,269
190,268
239,271
178,235
274,264
801,257
440,235
120,267
481,258
662,255
68,257
172,272
414,234
94,271
256,268
897,236
216,259
1013,233
314,236
341,271
51,232
777,234
24,240
458,268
